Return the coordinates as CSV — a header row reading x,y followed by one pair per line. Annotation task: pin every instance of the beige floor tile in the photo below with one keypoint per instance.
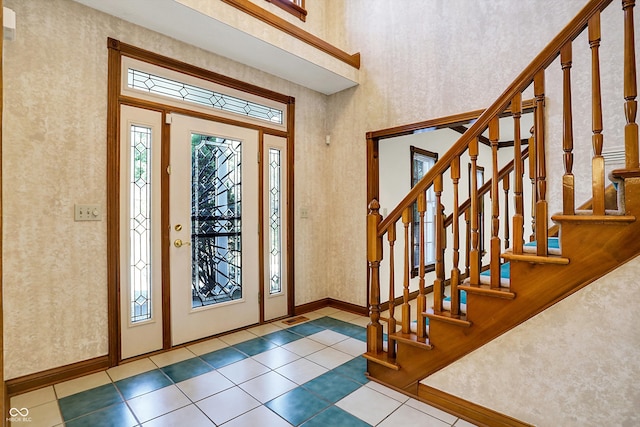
x,y
189,415
227,405
368,405
329,358
237,337
33,398
303,347
407,416
276,357
171,357
261,416
207,346
243,370
265,329
197,388
328,337
156,403
130,369
351,346
301,371
268,386
77,385
45,415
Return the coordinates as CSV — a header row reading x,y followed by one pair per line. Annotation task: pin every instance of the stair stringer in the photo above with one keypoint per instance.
x,y
594,248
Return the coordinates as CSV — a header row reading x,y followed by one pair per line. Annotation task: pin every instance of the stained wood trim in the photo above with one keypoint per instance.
x,y
4,396
185,68
330,302
442,122
275,21
118,49
56,375
291,120
466,410
296,10
113,201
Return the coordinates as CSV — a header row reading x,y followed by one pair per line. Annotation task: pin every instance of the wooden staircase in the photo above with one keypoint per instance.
x,y
594,238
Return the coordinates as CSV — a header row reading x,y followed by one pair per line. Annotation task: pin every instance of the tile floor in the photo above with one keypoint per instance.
x,y
309,374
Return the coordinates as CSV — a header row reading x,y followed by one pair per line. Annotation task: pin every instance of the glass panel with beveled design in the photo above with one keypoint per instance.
x,y
275,222
163,86
216,220
140,223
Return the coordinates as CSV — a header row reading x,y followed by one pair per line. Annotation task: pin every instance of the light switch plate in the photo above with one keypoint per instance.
x,y
88,213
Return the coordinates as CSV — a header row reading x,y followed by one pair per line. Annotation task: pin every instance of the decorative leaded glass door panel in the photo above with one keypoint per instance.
x,y
141,312
214,217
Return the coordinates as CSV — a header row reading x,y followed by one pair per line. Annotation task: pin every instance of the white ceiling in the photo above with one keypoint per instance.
x,y
178,21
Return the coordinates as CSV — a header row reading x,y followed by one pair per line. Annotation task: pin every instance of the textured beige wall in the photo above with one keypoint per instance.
x,y
575,364
55,278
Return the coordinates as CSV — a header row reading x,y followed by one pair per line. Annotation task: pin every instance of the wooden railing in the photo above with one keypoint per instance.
x,y
435,182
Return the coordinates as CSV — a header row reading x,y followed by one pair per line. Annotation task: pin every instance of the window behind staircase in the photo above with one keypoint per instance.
x,y
421,161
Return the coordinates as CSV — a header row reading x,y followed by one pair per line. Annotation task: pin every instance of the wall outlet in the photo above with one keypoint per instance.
x,y
88,213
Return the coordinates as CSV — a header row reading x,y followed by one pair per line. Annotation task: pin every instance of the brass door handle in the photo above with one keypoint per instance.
x,y
178,243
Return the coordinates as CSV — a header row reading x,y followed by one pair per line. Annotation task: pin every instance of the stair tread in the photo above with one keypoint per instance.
x,y
382,359
537,259
411,339
445,316
553,246
626,173
602,219
486,290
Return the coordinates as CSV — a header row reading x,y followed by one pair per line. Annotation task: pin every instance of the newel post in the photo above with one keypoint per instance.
x,y
374,256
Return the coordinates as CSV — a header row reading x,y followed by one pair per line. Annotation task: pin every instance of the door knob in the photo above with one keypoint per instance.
x,y
178,243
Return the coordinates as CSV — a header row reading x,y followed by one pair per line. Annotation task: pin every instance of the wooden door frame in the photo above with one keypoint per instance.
x,y
116,51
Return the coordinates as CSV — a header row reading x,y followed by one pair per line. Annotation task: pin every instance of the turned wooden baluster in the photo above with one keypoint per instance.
x,y
505,188
421,300
568,183
630,88
406,309
597,162
467,221
455,271
494,261
541,171
374,256
438,283
391,236
532,178
518,218
474,255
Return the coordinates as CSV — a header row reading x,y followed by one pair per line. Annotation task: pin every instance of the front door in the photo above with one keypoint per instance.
x,y
214,224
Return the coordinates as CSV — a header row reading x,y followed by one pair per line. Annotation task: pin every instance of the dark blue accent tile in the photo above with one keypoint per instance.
x,y
143,383
332,386
350,329
186,369
334,416
306,329
223,357
354,369
88,401
362,336
327,322
255,346
282,337
297,406
116,415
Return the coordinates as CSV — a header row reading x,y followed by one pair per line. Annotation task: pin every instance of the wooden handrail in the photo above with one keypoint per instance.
x,y
486,187
540,62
